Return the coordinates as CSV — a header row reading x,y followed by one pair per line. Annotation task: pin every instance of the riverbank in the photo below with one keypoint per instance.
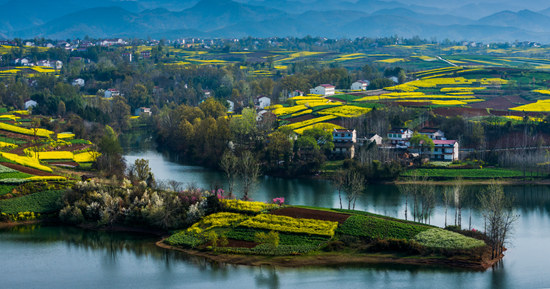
x,y
335,259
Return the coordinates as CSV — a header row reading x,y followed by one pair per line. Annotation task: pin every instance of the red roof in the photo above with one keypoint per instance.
x,y
327,85
444,142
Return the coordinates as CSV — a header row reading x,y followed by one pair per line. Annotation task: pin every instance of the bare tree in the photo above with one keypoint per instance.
x,y
229,164
498,215
457,196
338,182
447,196
249,170
409,188
354,184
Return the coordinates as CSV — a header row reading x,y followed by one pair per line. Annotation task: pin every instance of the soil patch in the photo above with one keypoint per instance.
x,y
65,164
26,170
232,243
312,214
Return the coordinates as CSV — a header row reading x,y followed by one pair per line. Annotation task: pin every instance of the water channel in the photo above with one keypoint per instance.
x,y
62,257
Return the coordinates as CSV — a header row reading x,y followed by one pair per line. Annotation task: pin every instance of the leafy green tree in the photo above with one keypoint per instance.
x,y
110,162
422,143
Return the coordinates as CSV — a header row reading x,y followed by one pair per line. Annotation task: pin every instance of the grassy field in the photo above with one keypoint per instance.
x,y
41,202
485,173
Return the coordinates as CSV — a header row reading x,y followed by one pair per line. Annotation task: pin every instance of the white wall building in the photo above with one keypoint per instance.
x,y
78,82
262,101
360,85
445,150
323,89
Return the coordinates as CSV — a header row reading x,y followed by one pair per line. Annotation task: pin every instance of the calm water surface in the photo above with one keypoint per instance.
x,y
59,257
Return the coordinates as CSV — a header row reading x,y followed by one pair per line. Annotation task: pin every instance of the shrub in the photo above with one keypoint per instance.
x,y
443,239
377,228
185,239
71,215
271,238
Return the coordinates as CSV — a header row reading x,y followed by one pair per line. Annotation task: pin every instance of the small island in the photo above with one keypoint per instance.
x,y
256,233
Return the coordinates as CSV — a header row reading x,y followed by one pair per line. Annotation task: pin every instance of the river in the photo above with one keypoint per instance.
x,y
60,257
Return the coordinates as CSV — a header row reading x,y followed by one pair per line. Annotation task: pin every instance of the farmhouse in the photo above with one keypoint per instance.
x,y
30,103
399,137
370,138
445,150
78,82
111,92
344,142
323,89
360,85
142,111
432,133
262,101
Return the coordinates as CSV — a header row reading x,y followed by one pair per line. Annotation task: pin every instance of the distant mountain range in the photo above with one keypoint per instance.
x,y
62,19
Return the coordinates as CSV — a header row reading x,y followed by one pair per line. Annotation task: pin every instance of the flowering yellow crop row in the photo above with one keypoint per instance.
x,y
391,60
21,112
540,105
86,157
47,178
288,110
39,131
314,97
222,219
402,87
26,161
461,93
65,135
519,118
274,106
291,225
313,103
345,111
459,89
327,126
43,69
310,121
542,91
302,112
7,145
9,116
458,47
245,206
433,96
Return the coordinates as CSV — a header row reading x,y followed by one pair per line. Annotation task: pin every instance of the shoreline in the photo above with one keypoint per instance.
x,y
324,259
333,259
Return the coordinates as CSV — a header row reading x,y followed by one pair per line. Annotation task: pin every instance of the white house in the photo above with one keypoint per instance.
x,y
323,89
370,138
231,106
58,64
142,111
78,82
22,61
30,103
399,137
296,93
445,150
344,142
262,101
360,85
44,63
111,92
432,133
394,79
